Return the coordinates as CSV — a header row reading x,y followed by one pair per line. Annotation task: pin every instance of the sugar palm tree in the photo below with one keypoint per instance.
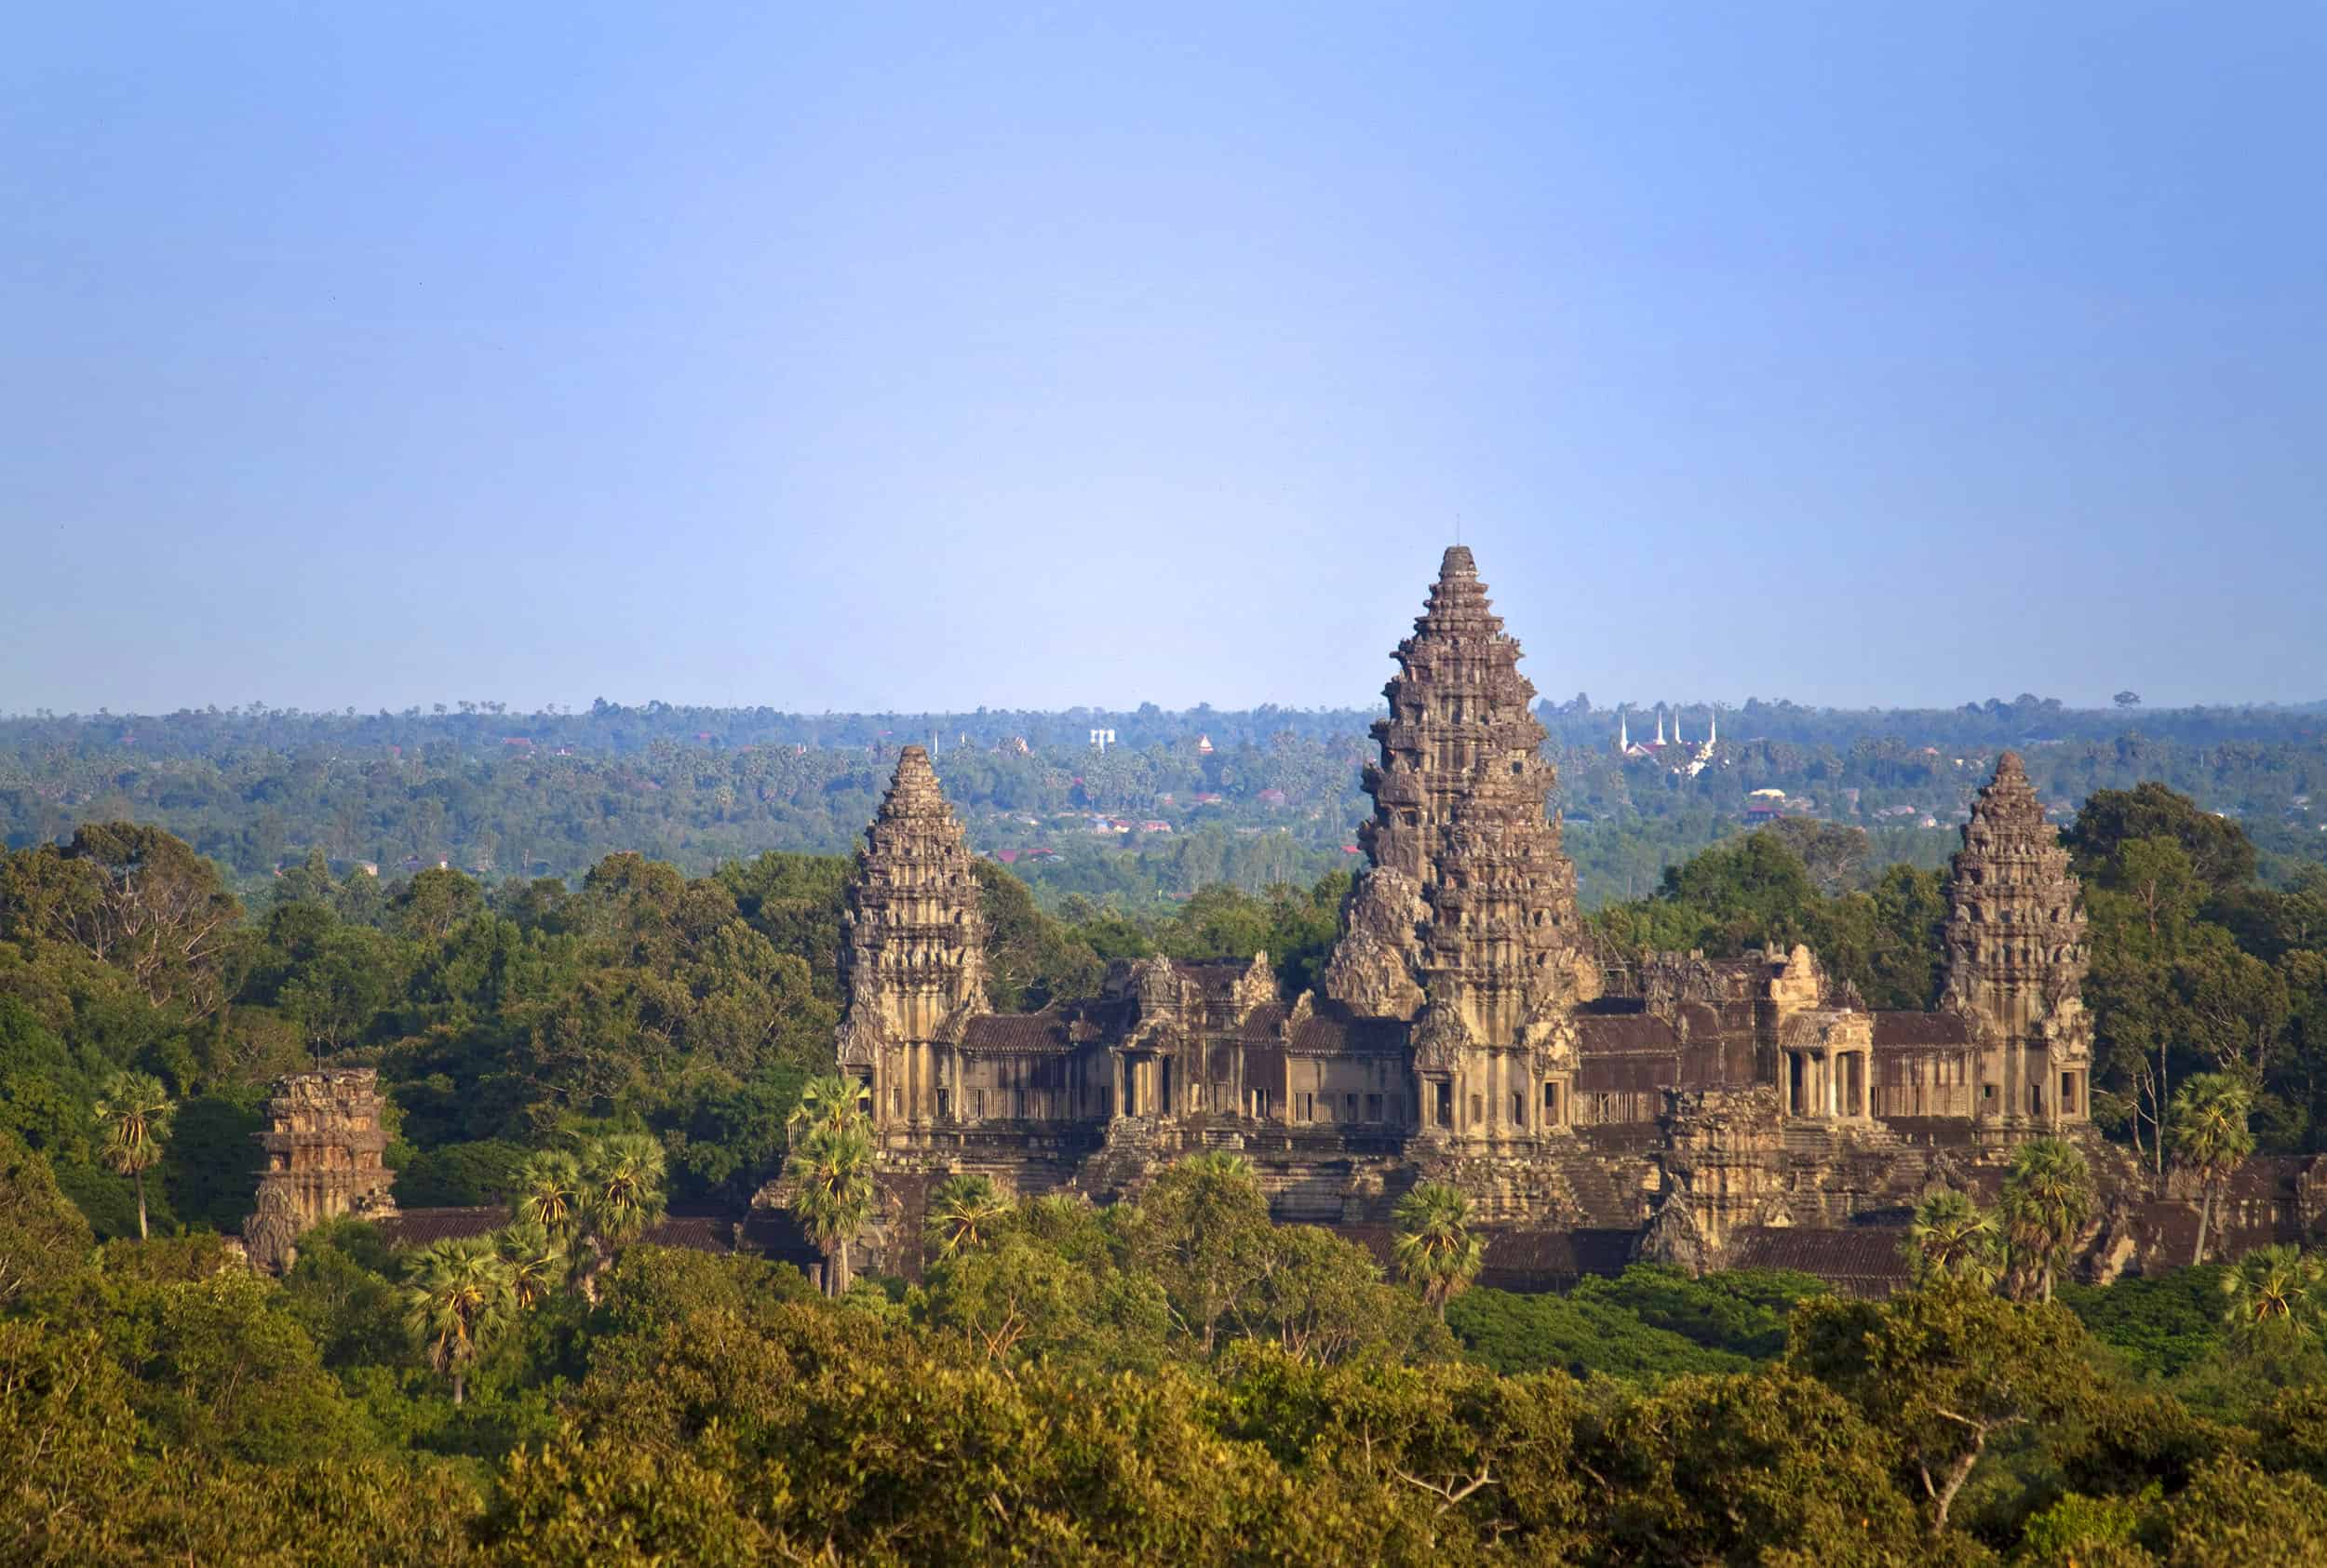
x,y
623,1177
830,1100
1952,1239
550,1195
831,1170
2207,1131
1434,1246
534,1259
135,1115
623,1196
964,1213
458,1300
2276,1299
2048,1201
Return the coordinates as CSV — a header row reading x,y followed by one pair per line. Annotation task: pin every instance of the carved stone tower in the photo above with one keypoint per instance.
x,y
913,954
2015,939
1466,921
324,1141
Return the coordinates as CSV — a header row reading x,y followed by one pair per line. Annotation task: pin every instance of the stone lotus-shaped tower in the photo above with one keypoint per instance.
x,y
913,951
2015,941
1466,923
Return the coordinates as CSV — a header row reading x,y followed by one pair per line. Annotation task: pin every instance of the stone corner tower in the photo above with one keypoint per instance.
x,y
2015,941
1465,922
324,1144
913,952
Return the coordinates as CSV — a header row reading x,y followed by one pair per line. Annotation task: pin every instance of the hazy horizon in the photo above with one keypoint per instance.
x,y
931,360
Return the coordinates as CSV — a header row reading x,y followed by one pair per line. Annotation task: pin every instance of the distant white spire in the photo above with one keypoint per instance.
x,y
1623,736
1660,723
1713,732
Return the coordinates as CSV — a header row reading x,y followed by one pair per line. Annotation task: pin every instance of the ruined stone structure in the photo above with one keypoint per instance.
x,y
323,1145
1461,1029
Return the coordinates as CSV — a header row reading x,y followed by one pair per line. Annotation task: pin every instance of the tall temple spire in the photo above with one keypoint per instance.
x,y
2015,942
913,955
1469,906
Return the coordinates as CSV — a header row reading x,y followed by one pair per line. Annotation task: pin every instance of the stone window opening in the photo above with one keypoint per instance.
x,y
1518,1108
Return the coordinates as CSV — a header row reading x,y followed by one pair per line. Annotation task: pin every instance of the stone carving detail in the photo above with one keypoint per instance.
x,y
1440,1041
1370,970
1723,1164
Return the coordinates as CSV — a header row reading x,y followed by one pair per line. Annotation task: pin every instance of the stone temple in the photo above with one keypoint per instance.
x,y
1463,1027
1705,1112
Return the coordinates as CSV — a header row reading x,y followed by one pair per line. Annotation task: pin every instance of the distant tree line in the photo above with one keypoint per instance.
x,y
1275,801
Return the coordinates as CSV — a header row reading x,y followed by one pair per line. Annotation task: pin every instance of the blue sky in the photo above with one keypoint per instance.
x,y
888,357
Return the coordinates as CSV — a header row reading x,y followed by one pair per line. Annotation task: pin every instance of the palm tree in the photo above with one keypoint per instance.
x,y
2209,1136
623,1178
964,1213
830,1100
1434,1246
1951,1238
457,1302
135,1115
534,1259
550,1195
2047,1201
2276,1298
622,1183
831,1172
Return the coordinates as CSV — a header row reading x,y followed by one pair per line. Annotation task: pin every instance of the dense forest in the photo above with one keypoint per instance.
x,y
1174,1378
1180,801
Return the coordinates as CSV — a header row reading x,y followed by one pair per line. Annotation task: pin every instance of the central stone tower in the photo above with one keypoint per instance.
x,y
2015,940
913,952
1465,922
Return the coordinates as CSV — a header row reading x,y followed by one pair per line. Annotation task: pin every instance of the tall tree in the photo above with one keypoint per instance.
x,y
550,1195
2210,1137
1434,1246
134,1116
533,1259
2047,1201
1200,1231
459,1300
624,1180
1943,1370
831,1168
